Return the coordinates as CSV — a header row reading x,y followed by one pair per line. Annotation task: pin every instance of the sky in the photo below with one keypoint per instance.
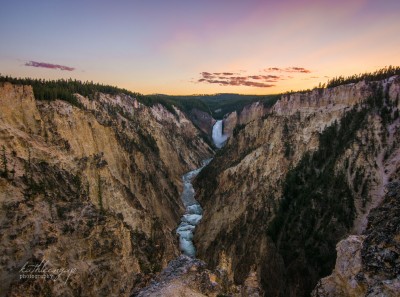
x,y
187,47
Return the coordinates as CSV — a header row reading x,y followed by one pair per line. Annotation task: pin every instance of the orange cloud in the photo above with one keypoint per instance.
x,y
288,69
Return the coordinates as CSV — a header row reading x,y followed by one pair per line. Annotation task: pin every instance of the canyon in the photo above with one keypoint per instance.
x,y
138,202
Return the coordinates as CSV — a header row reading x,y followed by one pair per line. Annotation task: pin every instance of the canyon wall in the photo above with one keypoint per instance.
x,y
249,113
202,120
289,185
94,188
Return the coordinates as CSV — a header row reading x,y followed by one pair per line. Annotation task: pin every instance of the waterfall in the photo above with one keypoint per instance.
x,y
218,137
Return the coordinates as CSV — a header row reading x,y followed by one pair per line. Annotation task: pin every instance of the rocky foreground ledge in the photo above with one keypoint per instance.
x,y
186,276
183,276
369,264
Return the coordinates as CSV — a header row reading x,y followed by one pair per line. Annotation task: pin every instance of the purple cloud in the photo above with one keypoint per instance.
x,y
48,65
227,79
288,69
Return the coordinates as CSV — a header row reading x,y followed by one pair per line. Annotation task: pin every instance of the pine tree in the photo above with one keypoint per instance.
x,y
4,162
100,193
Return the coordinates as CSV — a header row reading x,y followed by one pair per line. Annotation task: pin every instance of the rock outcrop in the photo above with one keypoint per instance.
x,y
203,120
368,265
185,276
249,113
94,189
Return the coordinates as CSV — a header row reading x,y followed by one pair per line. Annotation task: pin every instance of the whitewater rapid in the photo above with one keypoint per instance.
x,y
218,137
193,213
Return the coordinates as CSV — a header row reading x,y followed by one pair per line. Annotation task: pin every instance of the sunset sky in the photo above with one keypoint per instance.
x,y
197,47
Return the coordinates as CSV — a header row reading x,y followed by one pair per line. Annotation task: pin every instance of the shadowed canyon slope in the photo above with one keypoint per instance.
x,y
288,186
93,188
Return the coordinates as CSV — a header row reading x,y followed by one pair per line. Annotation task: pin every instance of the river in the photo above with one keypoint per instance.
x,y
194,212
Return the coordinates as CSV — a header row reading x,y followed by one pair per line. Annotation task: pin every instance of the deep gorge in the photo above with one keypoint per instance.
x,y
140,190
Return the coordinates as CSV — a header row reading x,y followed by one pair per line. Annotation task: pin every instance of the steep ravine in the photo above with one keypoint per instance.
x,y
288,186
193,210
186,275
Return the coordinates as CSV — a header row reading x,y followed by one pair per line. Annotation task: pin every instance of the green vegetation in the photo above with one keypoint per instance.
x,y
372,76
237,129
218,105
100,193
317,207
149,250
4,172
28,175
34,186
147,140
146,143
380,74
184,103
285,136
65,89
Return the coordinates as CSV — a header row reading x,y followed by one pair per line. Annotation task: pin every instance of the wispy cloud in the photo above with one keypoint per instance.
x,y
48,65
266,78
234,79
288,69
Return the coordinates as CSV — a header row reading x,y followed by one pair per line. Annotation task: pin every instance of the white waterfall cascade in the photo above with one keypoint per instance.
x,y
218,137
193,213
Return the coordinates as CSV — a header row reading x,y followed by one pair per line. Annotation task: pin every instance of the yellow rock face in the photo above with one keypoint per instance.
x,y
96,189
250,173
